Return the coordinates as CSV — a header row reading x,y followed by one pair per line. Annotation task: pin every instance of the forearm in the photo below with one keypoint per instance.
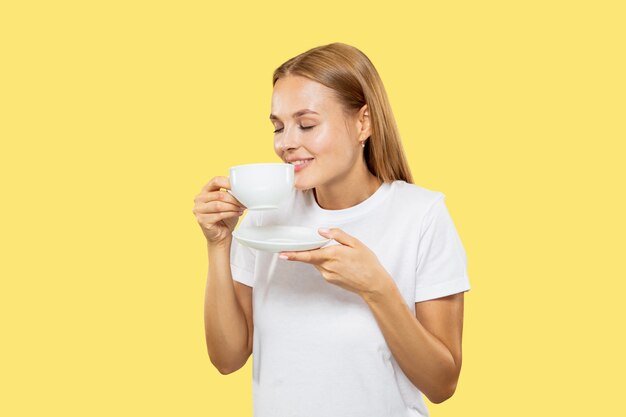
x,y
424,359
225,325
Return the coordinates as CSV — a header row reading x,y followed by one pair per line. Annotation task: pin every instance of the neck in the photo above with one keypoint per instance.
x,y
350,191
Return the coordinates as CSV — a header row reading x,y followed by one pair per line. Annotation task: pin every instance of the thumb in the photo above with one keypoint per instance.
x,y
339,235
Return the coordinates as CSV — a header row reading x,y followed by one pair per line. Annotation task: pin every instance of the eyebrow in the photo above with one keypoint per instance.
x,y
296,114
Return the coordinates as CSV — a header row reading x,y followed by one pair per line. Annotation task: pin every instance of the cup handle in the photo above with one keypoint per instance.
x,y
231,193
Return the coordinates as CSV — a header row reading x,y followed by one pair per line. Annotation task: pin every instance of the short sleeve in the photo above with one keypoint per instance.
x,y
243,258
441,259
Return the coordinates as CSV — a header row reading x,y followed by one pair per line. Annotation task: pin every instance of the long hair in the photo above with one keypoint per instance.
x,y
355,81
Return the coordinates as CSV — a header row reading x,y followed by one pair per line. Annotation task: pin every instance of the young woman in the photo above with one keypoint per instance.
x,y
361,327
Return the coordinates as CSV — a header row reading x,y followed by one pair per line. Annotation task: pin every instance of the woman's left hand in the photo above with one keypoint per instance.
x,y
350,265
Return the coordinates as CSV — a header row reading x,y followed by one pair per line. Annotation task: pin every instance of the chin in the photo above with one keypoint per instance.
x,y
302,186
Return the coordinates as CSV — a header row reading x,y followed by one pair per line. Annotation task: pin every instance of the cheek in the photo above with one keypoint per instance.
x,y
326,143
320,147
335,148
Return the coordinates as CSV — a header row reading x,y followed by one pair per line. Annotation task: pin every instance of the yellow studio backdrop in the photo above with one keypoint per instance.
x,y
114,114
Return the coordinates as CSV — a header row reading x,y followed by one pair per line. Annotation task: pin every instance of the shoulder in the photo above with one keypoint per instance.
x,y
415,196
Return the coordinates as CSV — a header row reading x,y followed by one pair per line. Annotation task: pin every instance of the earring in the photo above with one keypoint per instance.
x,y
363,144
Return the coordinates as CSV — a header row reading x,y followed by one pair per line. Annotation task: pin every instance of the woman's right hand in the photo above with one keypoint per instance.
x,y
217,211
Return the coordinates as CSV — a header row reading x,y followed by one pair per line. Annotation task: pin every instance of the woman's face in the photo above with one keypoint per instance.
x,y
313,133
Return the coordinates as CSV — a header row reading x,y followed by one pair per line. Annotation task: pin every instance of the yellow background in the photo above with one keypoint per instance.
x,y
114,114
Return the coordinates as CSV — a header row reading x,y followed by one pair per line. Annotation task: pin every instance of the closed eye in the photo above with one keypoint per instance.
x,y
301,127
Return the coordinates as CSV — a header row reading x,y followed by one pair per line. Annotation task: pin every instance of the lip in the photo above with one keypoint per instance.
x,y
300,167
292,159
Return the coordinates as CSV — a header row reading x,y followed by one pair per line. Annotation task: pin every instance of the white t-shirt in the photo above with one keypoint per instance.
x,y
318,350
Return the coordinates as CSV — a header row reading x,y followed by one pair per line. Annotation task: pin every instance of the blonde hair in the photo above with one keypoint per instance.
x,y
352,76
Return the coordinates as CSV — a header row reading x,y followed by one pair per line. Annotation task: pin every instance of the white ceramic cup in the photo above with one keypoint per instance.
x,y
261,186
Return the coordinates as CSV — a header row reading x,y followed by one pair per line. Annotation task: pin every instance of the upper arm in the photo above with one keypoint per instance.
x,y
244,296
443,318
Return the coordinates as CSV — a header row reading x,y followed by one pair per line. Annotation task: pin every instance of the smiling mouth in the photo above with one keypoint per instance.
x,y
301,164
301,161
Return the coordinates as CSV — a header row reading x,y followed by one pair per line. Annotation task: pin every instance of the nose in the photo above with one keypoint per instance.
x,y
287,140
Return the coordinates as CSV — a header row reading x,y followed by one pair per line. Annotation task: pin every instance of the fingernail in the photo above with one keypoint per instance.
x,y
324,230
283,256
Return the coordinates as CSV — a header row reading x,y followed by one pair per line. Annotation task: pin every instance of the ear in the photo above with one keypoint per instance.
x,y
363,117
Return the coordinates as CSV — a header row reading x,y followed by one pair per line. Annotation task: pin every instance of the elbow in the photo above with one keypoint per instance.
x,y
226,367
446,387
226,371
444,394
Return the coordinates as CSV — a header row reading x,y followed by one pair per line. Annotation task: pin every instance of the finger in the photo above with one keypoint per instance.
x,y
216,183
232,196
208,196
216,217
310,256
340,236
217,207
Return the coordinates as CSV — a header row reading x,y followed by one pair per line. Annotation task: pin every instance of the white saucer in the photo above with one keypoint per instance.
x,y
280,238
